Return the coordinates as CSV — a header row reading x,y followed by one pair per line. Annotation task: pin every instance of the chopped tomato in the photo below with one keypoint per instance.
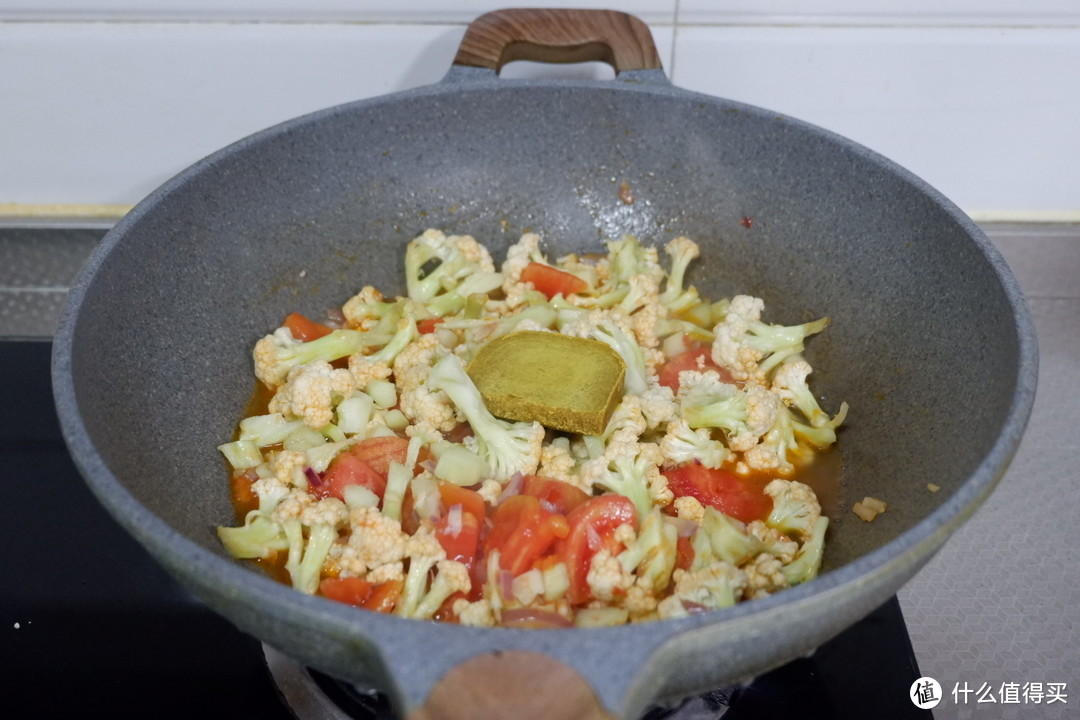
x,y
347,469
470,501
380,597
384,596
522,532
698,357
462,544
427,325
552,281
741,497
304,328
379,452
562,497
351,590
684,553
592,528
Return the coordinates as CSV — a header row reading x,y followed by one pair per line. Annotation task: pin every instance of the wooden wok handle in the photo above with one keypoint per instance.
x,y
512,684
558,36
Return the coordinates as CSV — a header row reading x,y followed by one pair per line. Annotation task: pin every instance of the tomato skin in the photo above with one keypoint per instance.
x,y
552,281
427,325
350,590
522,532
347,469
596,518
562,496
304,328
742,498
698,357
384,596
684,553
463,546
379,452
470,501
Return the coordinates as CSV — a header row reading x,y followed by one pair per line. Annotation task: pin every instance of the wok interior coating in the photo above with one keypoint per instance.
x,y
922,345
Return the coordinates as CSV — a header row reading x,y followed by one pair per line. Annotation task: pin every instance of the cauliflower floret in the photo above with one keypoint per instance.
x,y
764,576
291,506
421,404
775,542
682,251
364,370
556,461
690,508
386,573
627,422
474,614
728,350
376,540
607,579
490,490
749,348
795,507
643,308
658,405
364,309
718,585
681,444
279,353
640,602
311,391
744,415
288,467
518,257
451,577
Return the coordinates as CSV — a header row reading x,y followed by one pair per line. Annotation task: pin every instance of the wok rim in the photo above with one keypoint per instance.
x,y
910,549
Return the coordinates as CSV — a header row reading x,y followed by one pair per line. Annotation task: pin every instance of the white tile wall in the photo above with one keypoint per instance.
x,y
104,100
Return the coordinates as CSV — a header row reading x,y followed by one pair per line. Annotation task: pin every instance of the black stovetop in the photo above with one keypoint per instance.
x,y
92,627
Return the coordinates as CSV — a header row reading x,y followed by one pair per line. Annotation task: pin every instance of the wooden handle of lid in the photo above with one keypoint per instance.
x,y
558,36
512,684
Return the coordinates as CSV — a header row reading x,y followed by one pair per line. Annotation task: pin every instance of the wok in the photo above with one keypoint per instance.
x,y
930,342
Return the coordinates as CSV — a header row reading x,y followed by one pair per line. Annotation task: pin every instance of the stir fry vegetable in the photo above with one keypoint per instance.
x,y
381,476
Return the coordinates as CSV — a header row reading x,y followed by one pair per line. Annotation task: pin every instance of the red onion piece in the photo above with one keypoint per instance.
x,y
512,488
534,618
335,318
506,584
685,526
313,477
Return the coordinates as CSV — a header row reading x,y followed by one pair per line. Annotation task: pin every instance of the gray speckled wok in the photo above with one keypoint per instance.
x,y
930,342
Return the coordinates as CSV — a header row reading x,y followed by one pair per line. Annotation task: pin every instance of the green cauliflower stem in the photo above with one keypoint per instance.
x,y
807,563
277,354
682,251
727,538
506,447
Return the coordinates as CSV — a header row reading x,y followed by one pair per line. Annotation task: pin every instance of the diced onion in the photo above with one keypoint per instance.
x,y
453,521
313,477
528,586
357,496
511,488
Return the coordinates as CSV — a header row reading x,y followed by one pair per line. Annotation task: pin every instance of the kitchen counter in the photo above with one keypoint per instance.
x,y
993,616
998,606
